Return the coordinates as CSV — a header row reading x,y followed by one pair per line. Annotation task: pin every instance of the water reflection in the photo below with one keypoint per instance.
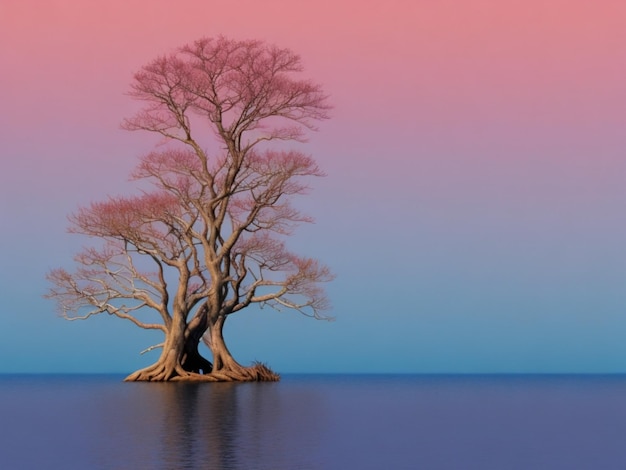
x,y
315,423
234,426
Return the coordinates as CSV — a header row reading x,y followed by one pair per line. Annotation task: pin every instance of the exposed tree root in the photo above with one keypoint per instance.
x,y
158,372
258,372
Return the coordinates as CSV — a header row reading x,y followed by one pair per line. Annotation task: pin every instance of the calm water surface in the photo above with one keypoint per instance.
x,y
315,422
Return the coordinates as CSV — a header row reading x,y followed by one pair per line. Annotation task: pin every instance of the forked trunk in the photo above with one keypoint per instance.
x,y
181,361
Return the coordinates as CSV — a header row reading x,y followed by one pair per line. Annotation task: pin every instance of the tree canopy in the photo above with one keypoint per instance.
x,y
208,239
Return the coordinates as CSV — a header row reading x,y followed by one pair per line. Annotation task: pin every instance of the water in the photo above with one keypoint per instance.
x,y
315,422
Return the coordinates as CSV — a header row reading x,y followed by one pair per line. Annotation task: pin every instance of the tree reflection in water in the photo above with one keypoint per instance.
x,y
236,425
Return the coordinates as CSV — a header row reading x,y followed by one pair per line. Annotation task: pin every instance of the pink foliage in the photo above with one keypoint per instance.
x,y
212,219
236,84
124,216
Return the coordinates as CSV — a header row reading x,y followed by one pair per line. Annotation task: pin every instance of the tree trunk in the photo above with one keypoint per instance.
x,y
169,364
181,361
222,358
225,367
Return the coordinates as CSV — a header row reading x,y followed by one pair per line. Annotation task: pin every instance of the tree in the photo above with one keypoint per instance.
x,y
208,239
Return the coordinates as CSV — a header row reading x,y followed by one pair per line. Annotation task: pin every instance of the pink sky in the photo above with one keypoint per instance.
x,y
447,67
477,145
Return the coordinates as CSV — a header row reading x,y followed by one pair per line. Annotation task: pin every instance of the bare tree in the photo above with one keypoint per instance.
x,y
209,239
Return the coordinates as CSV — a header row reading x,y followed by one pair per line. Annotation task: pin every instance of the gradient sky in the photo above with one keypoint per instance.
x,y
475,205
